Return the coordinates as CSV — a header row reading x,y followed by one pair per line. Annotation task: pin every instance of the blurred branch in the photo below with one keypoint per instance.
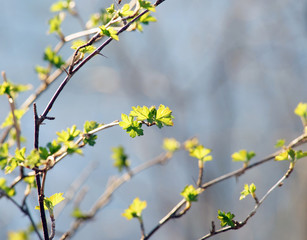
x,y
24,209
112,187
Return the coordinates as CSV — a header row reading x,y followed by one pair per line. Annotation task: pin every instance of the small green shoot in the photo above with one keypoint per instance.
x,y
226,219
135,209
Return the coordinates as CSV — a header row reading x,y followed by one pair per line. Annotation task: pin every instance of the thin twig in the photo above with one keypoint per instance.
x,y
173,213
253,212
113,186
24,208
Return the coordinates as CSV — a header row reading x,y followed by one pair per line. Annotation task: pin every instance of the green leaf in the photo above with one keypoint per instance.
x,y
300,154
12,163
33,159
201,153
301,110
72,148
9,191
90,125
53,58
132,127
164,116
120,158
125,11
12,89
53,147
18,235
9,119
68,135
146,18
31,181
111,9
110,32
87,49
60,6
171,144
280,143
55,24
135,209
248,190
42,71
4,154
141,113
147,5
43,153
226,218
282,156
243,156
190,144
190,193
50,202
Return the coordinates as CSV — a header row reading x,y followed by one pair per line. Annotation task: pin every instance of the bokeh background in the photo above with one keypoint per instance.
x,y
232,71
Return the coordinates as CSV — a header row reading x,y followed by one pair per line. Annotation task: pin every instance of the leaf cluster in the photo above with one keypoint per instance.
x,y
226,218
149,116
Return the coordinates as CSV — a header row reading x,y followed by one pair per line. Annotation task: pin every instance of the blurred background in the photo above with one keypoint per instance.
x,y
232,71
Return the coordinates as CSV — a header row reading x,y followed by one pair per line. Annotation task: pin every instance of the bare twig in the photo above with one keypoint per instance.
x,y
24,208
113,186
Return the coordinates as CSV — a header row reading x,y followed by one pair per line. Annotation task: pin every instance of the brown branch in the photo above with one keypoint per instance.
x,y
239,225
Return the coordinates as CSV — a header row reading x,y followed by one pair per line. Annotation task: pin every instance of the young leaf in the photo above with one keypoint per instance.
x,y
125,11
171,144
141,113
53,58
132,127
4,154
9,119
243,156
301,110
190,193
53,147
164,116
60,6
280,143
50,202
18,235
248,190
12,89
111,9
135,209
120,158
55,24
147,5
90,125
9,191
68,135
42,71
190,144
110,32
87,49
201,153
226,218
146,18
